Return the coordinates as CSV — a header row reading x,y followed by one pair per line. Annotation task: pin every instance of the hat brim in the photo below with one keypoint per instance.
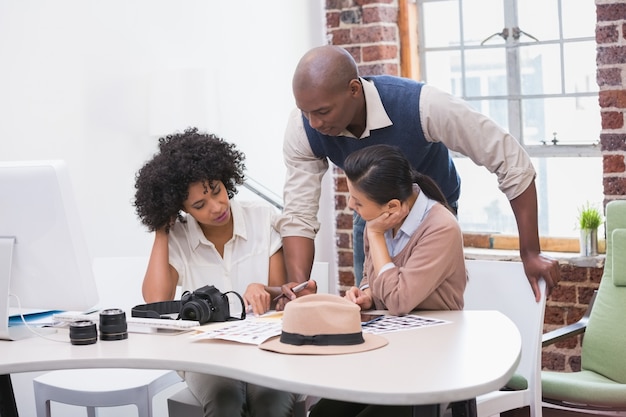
x,y
371,342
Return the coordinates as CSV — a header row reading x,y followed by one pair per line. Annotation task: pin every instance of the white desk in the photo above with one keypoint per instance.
x,y
476,353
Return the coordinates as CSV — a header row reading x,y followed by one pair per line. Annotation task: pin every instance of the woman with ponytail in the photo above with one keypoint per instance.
x,y
413,243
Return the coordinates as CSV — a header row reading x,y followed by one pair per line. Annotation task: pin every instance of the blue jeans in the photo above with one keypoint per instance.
x,y
358,253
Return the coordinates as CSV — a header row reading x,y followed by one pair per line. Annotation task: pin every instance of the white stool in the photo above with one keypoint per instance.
x,y
185,404
93,388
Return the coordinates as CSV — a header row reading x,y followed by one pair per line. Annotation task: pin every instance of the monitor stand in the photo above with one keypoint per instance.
x,y
11,332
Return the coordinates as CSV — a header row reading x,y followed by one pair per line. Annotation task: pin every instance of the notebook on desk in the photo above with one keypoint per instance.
x,y
34,316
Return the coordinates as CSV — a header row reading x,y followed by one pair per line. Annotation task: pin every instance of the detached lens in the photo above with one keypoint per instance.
x,y
83,332
113,324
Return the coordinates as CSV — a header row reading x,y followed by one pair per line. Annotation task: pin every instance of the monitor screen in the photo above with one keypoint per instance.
x,y
44,261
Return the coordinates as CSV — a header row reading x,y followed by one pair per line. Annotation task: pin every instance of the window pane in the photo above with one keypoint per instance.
x,y
483,207
441,24
558,205
575,120
481,19
540,69
539,18
439,71
487,67
579,18
580,67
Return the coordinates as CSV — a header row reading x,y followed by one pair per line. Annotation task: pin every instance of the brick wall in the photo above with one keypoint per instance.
x,y
611,78
368,29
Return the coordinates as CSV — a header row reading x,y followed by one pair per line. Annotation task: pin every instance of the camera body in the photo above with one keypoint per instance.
x,y
206,304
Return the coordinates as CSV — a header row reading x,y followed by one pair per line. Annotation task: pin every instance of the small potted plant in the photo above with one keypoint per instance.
x,y
589,220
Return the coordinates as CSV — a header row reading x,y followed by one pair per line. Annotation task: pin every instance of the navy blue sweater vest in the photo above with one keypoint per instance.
x,y
400,97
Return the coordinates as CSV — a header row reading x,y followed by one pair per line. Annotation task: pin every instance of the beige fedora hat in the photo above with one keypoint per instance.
x,y
322,324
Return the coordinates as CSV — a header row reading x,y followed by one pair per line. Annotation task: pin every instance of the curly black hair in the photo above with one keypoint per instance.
x,y
183,158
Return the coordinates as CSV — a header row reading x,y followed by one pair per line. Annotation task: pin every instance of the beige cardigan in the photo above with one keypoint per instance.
x,y
429,273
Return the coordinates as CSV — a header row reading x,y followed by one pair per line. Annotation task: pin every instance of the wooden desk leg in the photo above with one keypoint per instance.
x,y
430,410
465,408
8,408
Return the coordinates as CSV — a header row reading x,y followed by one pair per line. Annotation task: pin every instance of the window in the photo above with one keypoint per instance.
x,y
529,65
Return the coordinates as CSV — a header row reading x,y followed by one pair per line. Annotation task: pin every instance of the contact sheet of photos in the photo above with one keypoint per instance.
x,y
387,324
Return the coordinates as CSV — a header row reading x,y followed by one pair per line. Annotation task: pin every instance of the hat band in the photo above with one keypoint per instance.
x,y
322,339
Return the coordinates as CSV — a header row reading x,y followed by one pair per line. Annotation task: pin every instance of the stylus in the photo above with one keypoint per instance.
x,y
295,289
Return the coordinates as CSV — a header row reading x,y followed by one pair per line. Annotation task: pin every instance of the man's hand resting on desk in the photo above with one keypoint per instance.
x,y
293,290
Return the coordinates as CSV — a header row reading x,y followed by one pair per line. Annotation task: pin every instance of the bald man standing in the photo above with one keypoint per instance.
x,y
339,112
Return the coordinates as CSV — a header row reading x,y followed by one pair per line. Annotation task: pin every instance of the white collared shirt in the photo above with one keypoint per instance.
x,y
246,254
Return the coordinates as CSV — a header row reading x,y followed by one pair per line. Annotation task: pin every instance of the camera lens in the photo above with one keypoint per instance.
x,y
199,311
113,324
83,332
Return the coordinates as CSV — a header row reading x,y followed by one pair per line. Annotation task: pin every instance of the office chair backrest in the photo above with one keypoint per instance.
x,y
604,341
503,286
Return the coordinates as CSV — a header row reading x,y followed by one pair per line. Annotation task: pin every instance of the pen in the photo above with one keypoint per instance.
x,y
295,289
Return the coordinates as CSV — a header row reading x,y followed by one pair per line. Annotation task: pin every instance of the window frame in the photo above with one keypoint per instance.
x,y
411,19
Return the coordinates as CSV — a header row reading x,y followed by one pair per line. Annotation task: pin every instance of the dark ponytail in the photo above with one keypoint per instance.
x,y
382,173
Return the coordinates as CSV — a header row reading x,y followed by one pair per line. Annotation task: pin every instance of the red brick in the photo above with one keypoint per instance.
x,y
612,98
339,37
610,12
344,258
554,315
595,275
332,19
339,4
380,14
585,294
563,294
374,34
574,314
607,34
613,142
571,273
366,2
553,361
613,164
346,278
353,16
379,53
570,343
341,184
607,55
614,186
344,240
612,119
340,202
344,221
379,69
609,77
574,363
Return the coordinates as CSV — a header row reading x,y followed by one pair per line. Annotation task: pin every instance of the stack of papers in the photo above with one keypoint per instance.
x,y
255,330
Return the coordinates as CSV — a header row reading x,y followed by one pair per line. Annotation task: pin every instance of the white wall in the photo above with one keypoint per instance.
x,y
96,82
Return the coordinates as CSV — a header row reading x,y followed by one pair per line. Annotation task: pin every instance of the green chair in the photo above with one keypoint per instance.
x,y
600,385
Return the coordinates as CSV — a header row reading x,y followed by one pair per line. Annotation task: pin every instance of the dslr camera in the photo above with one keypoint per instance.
x,y
206,304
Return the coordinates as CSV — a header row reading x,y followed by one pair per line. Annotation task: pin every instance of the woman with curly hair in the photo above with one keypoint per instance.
x,y
204,237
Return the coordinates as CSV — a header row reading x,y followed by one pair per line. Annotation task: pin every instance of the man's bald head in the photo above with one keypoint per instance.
x,y
325,67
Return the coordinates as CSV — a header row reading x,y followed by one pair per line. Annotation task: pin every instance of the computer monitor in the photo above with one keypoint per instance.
x,y
44,261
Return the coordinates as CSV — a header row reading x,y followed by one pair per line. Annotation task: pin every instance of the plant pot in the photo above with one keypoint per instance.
x,y
589,242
